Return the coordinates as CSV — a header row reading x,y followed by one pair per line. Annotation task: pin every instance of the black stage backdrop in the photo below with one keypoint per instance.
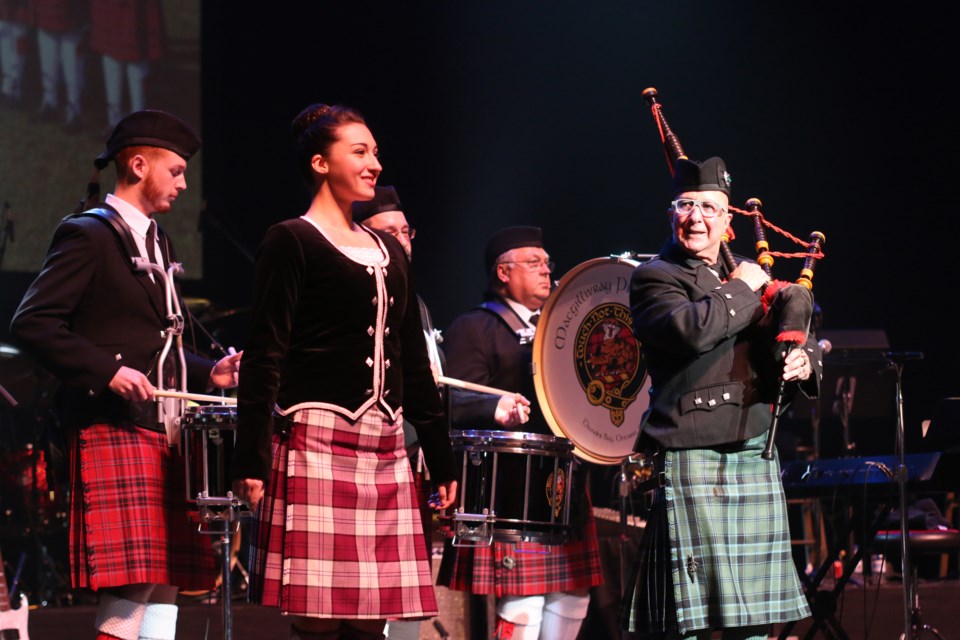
x,y
494,113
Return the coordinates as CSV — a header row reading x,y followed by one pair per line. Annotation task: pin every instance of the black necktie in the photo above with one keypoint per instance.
x,y
534,318
151,242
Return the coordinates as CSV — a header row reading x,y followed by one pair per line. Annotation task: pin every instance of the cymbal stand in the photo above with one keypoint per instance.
x,y
896,360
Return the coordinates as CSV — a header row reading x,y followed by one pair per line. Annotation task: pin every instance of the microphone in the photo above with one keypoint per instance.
x,y
825,345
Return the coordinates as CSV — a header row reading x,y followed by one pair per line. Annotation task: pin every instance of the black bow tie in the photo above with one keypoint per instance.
x,y
534,318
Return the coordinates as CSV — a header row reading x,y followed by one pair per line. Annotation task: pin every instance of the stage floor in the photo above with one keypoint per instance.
x,y
862,613
866,608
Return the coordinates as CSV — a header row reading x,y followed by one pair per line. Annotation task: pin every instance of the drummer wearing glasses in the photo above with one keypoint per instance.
x,y
541,592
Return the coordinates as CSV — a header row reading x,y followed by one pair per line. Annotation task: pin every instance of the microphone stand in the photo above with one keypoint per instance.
x,y
895,361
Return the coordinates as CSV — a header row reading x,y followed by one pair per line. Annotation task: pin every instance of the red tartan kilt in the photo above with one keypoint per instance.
x,y
130,521
507,569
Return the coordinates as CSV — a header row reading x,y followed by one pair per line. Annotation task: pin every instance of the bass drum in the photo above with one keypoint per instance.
x,y
589,374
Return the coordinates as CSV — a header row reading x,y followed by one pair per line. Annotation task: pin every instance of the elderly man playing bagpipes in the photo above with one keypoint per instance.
x,y
726,348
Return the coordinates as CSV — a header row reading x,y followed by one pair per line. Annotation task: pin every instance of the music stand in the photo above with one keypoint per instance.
x,y
853,390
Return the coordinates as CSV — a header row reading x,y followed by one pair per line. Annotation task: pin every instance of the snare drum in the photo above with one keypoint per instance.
x,y
514,487
208,436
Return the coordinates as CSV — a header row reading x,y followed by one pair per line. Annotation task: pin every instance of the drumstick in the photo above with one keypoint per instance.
x,y
472,386
197,397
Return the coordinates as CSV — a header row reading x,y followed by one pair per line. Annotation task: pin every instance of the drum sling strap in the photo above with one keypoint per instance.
x,y
510,317
121,232
128,247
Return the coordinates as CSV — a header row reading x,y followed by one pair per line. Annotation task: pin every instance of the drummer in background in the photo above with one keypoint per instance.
x,y
97,325
716,554
541,592
385,213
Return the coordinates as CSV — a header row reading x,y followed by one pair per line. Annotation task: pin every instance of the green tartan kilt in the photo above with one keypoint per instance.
x,y
716,550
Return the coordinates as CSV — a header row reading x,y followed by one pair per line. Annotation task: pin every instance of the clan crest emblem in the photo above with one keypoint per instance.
x,y
608,361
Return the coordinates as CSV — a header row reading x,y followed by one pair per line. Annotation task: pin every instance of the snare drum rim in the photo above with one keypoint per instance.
x,y
209,416
511,442
539,344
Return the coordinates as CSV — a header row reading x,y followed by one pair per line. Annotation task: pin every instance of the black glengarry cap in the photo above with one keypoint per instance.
x,y
709,175
511,238
150,128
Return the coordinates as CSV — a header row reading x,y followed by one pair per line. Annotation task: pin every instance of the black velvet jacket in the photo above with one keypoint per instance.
x,y
331,333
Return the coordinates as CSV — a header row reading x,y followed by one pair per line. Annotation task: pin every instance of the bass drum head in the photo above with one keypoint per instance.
x,y
589,373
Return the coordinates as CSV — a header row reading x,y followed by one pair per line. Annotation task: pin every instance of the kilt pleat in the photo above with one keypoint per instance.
x,y
730,562
130,521
648,605
339,533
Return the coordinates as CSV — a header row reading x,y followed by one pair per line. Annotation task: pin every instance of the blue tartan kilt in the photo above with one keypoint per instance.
x,y
716,549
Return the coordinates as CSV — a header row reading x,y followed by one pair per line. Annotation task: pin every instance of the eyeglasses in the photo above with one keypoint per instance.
x,y
532,265
409,232
707,209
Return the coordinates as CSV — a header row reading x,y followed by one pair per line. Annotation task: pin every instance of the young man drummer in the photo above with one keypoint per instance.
x,y
543,593
97,324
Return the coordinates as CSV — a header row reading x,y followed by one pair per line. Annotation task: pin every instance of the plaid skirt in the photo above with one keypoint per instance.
x,y
526,569
130,521
716,549
339,533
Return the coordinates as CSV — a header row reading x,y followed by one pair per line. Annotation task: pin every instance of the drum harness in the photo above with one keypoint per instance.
x,y
169,409
509,316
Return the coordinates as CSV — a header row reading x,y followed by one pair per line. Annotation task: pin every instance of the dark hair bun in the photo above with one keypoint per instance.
x,y
307,117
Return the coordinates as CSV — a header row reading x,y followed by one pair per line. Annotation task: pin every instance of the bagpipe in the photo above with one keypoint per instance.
x,y
793,302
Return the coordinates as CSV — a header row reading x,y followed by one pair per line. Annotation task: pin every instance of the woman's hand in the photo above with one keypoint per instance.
x,y
225,374
445,496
